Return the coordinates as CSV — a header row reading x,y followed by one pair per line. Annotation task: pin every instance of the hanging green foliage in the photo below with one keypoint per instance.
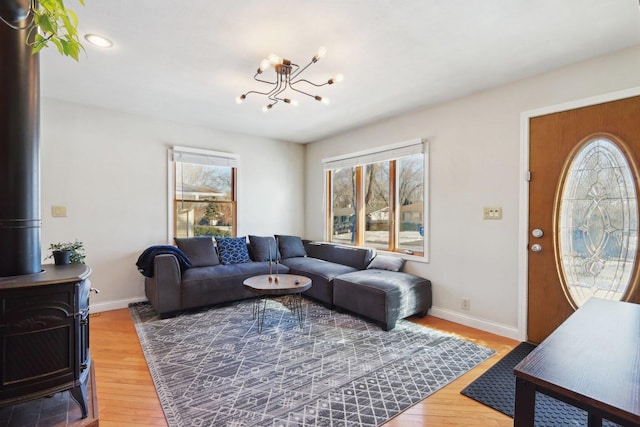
x,y
54,23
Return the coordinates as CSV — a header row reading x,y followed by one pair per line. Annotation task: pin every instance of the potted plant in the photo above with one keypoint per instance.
x,y
67,253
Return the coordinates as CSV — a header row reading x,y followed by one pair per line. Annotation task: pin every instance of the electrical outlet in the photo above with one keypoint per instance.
x,y
492,213
466,304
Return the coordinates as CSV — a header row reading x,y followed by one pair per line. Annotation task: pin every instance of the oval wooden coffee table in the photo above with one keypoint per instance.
x,y
266,285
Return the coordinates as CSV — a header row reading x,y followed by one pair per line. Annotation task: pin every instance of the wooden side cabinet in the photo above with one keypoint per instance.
x,y
44,334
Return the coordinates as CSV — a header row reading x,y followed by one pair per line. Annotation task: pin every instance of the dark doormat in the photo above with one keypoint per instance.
x,y
496,389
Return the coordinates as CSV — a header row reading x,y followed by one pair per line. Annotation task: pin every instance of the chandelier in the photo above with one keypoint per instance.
x,y
287,77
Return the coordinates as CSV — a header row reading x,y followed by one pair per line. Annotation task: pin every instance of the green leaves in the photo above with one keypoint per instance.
x,y
77,250
54,23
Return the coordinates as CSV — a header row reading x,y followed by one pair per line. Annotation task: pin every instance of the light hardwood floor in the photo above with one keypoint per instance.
x,y
126,395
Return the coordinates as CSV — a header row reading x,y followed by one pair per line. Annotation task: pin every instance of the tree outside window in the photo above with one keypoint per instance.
x,y
411,203
377,204
343,210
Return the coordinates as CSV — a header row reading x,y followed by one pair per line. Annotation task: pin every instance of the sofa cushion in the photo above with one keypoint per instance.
x,y
357,258
327,270
290,246
233,250
199,250
213,275
263,248
385,262
321,274
257,268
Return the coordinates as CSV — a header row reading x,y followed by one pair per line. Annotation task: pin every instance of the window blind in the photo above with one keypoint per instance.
x,y
203,157
380,154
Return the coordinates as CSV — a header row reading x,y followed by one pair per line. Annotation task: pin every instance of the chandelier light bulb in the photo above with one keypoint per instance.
x,y
337,79
240,98
274,59
264,64
325,101
266,108
321,52
293,102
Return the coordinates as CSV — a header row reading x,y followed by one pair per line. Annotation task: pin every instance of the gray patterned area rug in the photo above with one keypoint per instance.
x,y
212,368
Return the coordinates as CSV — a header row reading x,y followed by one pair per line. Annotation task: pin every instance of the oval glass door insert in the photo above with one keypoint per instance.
x,y
598,223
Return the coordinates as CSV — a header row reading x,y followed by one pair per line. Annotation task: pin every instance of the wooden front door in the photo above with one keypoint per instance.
x,y
555,140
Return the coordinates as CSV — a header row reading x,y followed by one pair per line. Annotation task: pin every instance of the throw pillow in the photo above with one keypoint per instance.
x,y
199,250
233,250
290,246
384,262
264,248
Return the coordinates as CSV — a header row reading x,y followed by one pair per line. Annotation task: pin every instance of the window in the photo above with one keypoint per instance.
x,y
203,191
598,223
376,198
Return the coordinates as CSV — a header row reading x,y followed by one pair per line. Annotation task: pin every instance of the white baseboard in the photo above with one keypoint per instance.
x,y
114,305
474,322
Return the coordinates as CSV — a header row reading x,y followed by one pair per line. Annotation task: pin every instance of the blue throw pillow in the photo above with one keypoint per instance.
x,y
199,250
290,246
233,250
263,248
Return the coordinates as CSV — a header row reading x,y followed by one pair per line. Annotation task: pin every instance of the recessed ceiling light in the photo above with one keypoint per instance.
x,y
97,40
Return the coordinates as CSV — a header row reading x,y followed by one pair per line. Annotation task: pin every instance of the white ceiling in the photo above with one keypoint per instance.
x,y
187,61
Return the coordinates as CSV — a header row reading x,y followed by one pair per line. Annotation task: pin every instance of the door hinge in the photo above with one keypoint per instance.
x,y
527,176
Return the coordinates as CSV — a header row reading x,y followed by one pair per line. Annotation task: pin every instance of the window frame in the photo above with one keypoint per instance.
x,y
392,154
219,158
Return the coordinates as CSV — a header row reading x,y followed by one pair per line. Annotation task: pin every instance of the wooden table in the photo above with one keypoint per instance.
x,y
592,361
282,284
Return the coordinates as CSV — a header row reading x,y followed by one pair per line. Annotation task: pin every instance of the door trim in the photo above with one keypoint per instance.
x,y
523,223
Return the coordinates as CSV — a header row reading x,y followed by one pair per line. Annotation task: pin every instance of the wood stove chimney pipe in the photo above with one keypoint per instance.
x,y
20,222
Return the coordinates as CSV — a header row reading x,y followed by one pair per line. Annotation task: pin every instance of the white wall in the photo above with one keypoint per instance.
x,y
110,170
474,162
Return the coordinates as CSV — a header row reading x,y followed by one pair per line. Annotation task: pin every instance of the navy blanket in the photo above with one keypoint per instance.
x,y
145,260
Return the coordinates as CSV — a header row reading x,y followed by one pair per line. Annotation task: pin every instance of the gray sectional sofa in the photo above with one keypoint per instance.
x,y
197,274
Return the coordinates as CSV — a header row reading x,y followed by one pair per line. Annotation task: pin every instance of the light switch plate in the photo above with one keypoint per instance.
x,y
58,211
